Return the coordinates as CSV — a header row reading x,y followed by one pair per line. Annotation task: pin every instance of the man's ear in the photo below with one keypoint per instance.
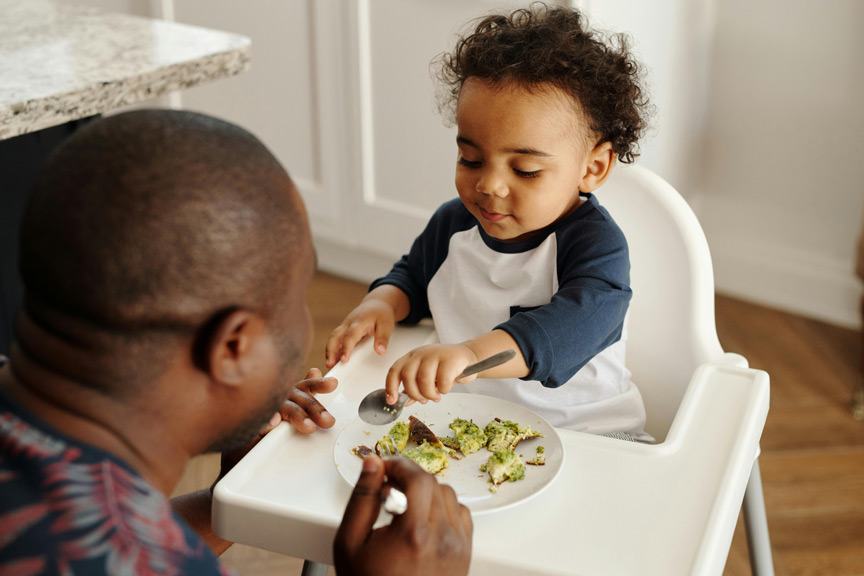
x,y
600,162
231,345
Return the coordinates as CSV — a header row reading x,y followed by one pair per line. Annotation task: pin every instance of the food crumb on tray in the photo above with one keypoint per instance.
x,y
539,459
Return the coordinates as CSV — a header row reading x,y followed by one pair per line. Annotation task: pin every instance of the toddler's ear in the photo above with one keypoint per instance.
x,y
598,167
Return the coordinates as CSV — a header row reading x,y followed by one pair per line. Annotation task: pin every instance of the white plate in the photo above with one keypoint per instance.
x,y
464,475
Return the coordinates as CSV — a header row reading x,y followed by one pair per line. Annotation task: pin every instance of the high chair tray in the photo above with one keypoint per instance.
x,y
617,507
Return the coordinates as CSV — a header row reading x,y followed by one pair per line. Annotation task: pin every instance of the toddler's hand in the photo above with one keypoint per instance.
x,y
429,371
370,317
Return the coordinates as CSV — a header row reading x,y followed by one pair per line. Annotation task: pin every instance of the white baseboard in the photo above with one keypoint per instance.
x,y
803,283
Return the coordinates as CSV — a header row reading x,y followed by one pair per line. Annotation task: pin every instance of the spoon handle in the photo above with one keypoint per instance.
x,y
490,362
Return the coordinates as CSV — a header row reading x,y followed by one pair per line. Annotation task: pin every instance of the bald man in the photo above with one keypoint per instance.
x,y
165,257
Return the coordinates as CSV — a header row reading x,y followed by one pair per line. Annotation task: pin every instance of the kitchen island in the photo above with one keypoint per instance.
x,y
61,66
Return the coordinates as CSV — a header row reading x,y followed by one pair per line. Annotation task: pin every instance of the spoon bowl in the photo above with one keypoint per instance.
x,y
375,410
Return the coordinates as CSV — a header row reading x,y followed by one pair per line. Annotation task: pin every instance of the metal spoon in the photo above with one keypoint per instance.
x,y
375,410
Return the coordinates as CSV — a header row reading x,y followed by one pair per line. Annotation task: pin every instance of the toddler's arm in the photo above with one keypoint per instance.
x,y
429,371
376,315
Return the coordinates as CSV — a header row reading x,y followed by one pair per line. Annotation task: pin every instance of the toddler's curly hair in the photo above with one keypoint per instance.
x,y
552,45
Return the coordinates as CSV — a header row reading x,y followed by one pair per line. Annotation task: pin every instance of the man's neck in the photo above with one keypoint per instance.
x,y
122,428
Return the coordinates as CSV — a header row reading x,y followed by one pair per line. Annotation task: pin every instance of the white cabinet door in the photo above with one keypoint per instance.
x,y
293,96
405,155
341,91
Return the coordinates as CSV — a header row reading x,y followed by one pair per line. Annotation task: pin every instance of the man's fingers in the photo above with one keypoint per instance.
x,y
458,515
274,421
449,521
427,499
305,413
362,510
316,384
418,486
467,522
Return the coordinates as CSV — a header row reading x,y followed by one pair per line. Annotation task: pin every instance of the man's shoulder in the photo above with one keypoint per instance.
x,y
66,508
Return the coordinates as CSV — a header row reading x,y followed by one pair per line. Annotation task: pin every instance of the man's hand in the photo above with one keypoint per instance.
x,y
301,408
432,537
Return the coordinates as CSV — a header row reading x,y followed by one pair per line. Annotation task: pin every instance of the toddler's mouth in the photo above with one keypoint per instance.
x,y
492,216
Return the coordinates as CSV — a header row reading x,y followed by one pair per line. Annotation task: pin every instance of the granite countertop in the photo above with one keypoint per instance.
x,y
60,63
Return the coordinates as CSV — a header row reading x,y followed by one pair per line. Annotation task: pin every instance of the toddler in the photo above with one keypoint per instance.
x,y
525,258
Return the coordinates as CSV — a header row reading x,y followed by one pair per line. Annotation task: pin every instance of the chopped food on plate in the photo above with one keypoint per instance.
x,y
420,433
362,451
450,442
539,459
504,466
431,457
471,438
506,435
433,454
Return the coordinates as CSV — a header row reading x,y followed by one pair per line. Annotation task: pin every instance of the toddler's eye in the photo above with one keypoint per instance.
x,y
524,174
468,163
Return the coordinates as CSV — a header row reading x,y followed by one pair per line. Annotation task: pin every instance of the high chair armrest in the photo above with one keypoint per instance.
x,y
732,359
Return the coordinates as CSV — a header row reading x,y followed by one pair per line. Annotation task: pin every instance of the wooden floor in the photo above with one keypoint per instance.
x,y
812,451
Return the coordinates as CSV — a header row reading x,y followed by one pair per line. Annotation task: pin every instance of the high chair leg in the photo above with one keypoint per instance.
x,y
314,568
756,525
858,399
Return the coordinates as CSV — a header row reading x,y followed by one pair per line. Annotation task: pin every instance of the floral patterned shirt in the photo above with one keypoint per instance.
x,y
69,508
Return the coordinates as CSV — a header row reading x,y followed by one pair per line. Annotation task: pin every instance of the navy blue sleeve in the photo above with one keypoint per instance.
x,y
587,313
413,272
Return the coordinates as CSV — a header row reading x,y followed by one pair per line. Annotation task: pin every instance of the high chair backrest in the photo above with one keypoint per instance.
x,y
671,319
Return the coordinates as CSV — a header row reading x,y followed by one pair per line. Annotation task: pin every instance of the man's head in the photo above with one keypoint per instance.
x,y
152,231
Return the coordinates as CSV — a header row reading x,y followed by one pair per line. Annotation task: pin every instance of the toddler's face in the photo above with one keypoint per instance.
x,y
522,157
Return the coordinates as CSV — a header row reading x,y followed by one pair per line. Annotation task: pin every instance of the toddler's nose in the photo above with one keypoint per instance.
x,y
489,184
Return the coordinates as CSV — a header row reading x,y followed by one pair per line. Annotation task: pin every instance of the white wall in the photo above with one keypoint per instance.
x,y
672,40
137,7
293,96
760,127
782,184
759,124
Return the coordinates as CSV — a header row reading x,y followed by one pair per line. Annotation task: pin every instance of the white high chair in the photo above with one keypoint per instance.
x,y
672,506
671,318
